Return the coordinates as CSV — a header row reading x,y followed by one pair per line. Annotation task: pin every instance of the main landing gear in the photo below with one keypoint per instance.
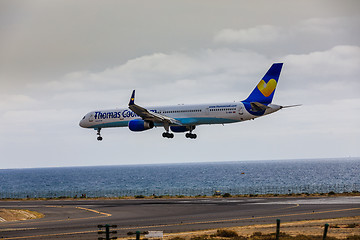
x,y
190,135
167,135
99,138
171,135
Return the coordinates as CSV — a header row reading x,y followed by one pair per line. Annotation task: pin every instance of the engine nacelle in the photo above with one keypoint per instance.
x,y
180,129
138,125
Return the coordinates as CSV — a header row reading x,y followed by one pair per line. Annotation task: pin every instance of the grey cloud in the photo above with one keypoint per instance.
x,y
255,35
206,76
305,36
206,69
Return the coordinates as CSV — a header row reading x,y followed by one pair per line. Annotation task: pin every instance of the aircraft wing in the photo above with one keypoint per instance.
x,y
147,115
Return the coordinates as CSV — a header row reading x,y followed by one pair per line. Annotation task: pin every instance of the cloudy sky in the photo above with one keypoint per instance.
x,y
62,59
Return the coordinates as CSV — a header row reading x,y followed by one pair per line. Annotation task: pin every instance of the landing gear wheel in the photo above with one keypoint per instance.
x,y
168,135
190,135
99,138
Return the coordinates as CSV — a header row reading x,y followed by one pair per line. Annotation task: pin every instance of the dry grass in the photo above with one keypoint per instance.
x,y
19,214
340,228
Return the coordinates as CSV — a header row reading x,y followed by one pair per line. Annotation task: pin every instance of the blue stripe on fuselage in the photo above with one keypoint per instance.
x,y
111,124
184,121
205,120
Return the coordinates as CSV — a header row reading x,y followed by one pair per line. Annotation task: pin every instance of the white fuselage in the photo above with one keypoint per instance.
x,y
188,115
184,118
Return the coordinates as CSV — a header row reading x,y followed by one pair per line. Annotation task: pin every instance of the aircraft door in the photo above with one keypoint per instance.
x,y
207,111
240,110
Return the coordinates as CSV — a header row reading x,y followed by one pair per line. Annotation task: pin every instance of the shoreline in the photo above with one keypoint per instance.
x,y
224,196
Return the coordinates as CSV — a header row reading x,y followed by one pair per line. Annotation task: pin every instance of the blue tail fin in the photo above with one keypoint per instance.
x,y
264,91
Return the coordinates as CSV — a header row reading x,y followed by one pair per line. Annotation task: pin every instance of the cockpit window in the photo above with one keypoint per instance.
x,y
84,117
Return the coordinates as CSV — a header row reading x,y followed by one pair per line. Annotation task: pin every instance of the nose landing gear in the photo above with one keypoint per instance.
x,y
99,138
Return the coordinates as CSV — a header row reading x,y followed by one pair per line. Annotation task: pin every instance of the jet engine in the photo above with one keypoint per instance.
x,y
138,125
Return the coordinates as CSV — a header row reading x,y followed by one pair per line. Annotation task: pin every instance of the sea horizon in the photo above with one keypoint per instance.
x,y
195,162
195,178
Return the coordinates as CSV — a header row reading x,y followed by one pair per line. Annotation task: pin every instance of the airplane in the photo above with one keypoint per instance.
x,y
185,118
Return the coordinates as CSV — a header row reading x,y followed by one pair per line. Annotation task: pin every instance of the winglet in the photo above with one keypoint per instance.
x,y
132,99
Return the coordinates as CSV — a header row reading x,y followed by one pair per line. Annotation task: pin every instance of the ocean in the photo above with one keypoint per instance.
x,y
189,179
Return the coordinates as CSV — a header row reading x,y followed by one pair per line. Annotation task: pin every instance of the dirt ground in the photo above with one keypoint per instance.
x,y
339,228
18,215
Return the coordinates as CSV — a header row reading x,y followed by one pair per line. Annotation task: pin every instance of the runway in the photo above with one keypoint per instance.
x,y
78,219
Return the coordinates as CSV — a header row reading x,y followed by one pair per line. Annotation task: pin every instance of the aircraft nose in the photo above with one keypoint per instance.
x,y
82,123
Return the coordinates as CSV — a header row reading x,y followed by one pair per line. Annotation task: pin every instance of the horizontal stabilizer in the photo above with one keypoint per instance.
x,y
258,107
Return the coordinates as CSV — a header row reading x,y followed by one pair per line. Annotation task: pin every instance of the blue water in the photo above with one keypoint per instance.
x,y
245,177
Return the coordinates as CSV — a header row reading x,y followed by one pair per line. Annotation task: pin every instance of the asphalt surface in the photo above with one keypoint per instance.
x,y
78,219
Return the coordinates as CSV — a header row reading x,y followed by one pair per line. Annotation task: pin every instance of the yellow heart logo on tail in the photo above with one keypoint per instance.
x,y
267,88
